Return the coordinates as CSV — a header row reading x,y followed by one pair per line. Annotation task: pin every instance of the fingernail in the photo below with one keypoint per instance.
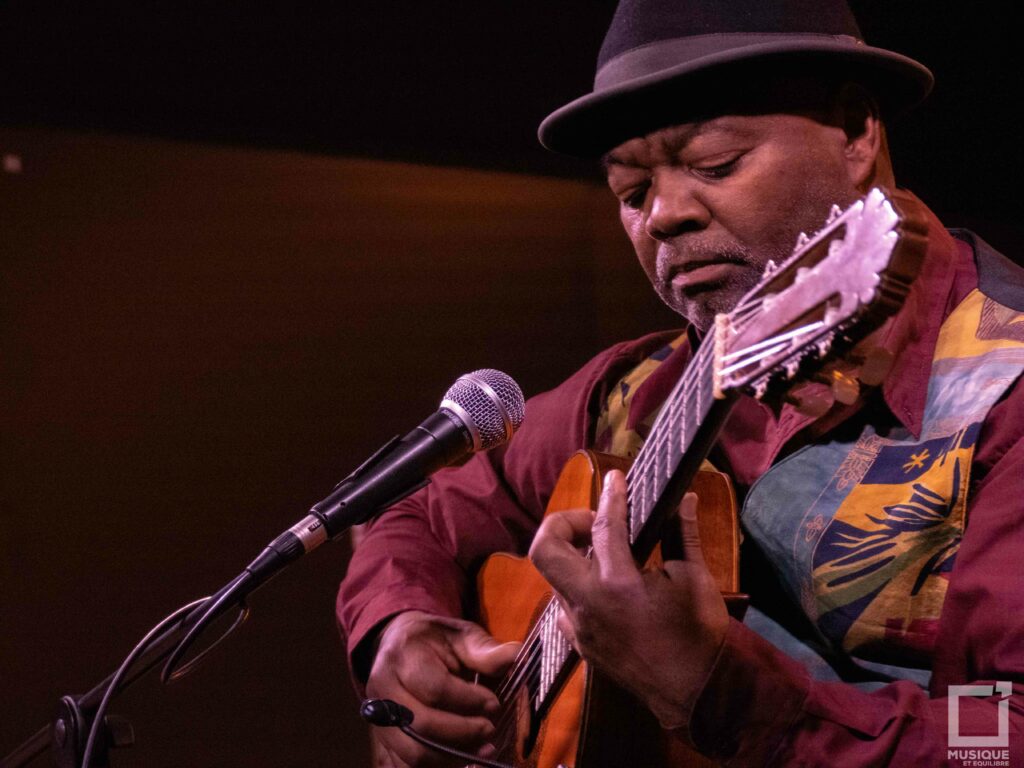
x,y
487,751
688,509
493,646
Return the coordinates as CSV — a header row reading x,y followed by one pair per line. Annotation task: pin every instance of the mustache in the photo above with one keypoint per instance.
x,y
673,259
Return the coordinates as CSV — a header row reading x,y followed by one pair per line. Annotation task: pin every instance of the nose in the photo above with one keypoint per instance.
x,y
676,208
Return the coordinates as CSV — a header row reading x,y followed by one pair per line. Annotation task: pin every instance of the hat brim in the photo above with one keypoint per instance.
x,y
593,124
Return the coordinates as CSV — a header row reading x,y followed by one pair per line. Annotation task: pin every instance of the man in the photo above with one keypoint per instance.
x,y
886,531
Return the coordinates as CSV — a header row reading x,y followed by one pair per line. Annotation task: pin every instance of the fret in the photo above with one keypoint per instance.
x,y
700,393
637,517
682,442
542,685
546,650
639,512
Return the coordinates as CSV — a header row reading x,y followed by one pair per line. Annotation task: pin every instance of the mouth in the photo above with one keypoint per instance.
x,y
696,276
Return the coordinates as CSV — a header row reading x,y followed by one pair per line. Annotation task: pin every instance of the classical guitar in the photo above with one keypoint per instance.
x,y
836,287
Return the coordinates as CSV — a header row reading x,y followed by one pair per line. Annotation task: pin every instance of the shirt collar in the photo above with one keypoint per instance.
x,y
912,335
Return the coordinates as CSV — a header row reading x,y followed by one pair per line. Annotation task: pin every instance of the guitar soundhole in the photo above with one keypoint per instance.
x,y
519,738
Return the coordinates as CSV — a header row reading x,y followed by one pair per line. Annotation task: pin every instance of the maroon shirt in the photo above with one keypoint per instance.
x,y
758,706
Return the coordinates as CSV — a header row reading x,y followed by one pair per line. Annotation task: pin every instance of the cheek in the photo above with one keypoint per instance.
x,y
645,247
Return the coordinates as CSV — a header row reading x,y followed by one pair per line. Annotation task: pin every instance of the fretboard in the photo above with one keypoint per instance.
x,y
682,431
671,438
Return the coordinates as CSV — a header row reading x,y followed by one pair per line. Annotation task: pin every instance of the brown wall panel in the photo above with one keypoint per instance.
x,y
195,344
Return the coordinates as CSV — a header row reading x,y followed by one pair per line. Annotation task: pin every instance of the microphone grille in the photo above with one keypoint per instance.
x,y
493,403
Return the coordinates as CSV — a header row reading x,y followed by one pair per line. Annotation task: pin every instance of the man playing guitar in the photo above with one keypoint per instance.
x,y
883,520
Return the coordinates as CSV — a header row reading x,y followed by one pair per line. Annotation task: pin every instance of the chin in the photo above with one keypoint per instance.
x,y
700,309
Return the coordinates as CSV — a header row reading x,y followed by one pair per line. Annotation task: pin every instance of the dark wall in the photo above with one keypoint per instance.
x,y
197,343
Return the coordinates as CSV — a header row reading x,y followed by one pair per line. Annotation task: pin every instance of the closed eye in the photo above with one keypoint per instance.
x,y
636,199
716,172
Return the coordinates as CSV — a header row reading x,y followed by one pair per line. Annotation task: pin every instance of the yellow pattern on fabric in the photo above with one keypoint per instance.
x,y
613,432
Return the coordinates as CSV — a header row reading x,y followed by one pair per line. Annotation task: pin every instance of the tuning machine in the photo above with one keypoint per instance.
x,y
811,400
873,365
845,388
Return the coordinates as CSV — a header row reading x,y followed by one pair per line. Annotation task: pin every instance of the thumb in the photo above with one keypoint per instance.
x,y
687,545
481,653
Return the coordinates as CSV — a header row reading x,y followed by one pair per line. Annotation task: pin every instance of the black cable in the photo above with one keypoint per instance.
x,y
130,659
213,609
386,713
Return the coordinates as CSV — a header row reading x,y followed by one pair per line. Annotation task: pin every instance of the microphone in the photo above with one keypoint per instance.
x,y
479,411
385,713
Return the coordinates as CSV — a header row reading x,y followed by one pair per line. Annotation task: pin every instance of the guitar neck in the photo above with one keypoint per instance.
x,y
678,443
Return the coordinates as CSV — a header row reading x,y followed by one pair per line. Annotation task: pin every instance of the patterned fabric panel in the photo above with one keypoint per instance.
x,y
864,533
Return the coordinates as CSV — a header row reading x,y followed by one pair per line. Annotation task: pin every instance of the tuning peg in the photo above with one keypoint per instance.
x,y
811,400
834,213
802,240
769,268
792,366
874,365
760,387
845,388
823,345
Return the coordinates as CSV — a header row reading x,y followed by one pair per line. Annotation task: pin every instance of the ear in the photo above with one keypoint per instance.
x,y
865,152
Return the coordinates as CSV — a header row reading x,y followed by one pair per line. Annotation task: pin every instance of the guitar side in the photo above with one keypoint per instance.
x,y
593,723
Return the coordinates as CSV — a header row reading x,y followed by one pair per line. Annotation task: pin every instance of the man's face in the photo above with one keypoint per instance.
x,y
707,204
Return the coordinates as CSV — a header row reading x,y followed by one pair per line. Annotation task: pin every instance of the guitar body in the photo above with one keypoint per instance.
x,y
592,723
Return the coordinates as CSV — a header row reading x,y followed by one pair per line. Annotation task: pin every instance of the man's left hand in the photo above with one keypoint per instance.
x,y
656,633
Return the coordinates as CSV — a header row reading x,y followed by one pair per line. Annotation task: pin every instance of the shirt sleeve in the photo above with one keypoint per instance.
x,y
760,707
422,553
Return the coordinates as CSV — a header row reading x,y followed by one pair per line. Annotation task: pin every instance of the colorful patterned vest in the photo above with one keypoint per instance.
x,y
864,531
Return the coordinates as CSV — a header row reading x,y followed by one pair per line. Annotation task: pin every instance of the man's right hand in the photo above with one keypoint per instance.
x,y
422,662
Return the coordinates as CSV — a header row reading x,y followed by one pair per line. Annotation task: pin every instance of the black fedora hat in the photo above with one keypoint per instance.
x,y
661,58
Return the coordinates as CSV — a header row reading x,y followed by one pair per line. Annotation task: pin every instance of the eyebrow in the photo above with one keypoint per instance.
x,y
678,143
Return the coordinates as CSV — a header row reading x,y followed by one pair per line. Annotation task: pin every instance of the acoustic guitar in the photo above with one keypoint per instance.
x,y
836,287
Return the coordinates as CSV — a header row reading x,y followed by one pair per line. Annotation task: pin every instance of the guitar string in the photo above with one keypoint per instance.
x,y
659,436
661,429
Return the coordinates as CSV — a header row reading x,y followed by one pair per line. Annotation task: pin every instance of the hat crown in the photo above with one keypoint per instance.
x,y
641,22
667,61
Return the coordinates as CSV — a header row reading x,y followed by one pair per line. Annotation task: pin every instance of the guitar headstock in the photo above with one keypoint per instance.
x,y
836,287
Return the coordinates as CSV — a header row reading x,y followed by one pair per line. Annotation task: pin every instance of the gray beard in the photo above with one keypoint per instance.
x,y
701,307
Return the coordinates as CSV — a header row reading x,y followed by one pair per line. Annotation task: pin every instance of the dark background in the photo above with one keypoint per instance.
x,y
455,82
244,243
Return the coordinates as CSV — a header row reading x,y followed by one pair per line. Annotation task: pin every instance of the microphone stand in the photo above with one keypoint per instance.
x,y
66,735
396,470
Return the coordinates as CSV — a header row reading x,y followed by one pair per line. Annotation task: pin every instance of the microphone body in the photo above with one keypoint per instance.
x,y
398,469
481,410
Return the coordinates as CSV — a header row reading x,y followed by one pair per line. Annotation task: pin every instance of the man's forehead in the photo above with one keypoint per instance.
x,y
668,142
